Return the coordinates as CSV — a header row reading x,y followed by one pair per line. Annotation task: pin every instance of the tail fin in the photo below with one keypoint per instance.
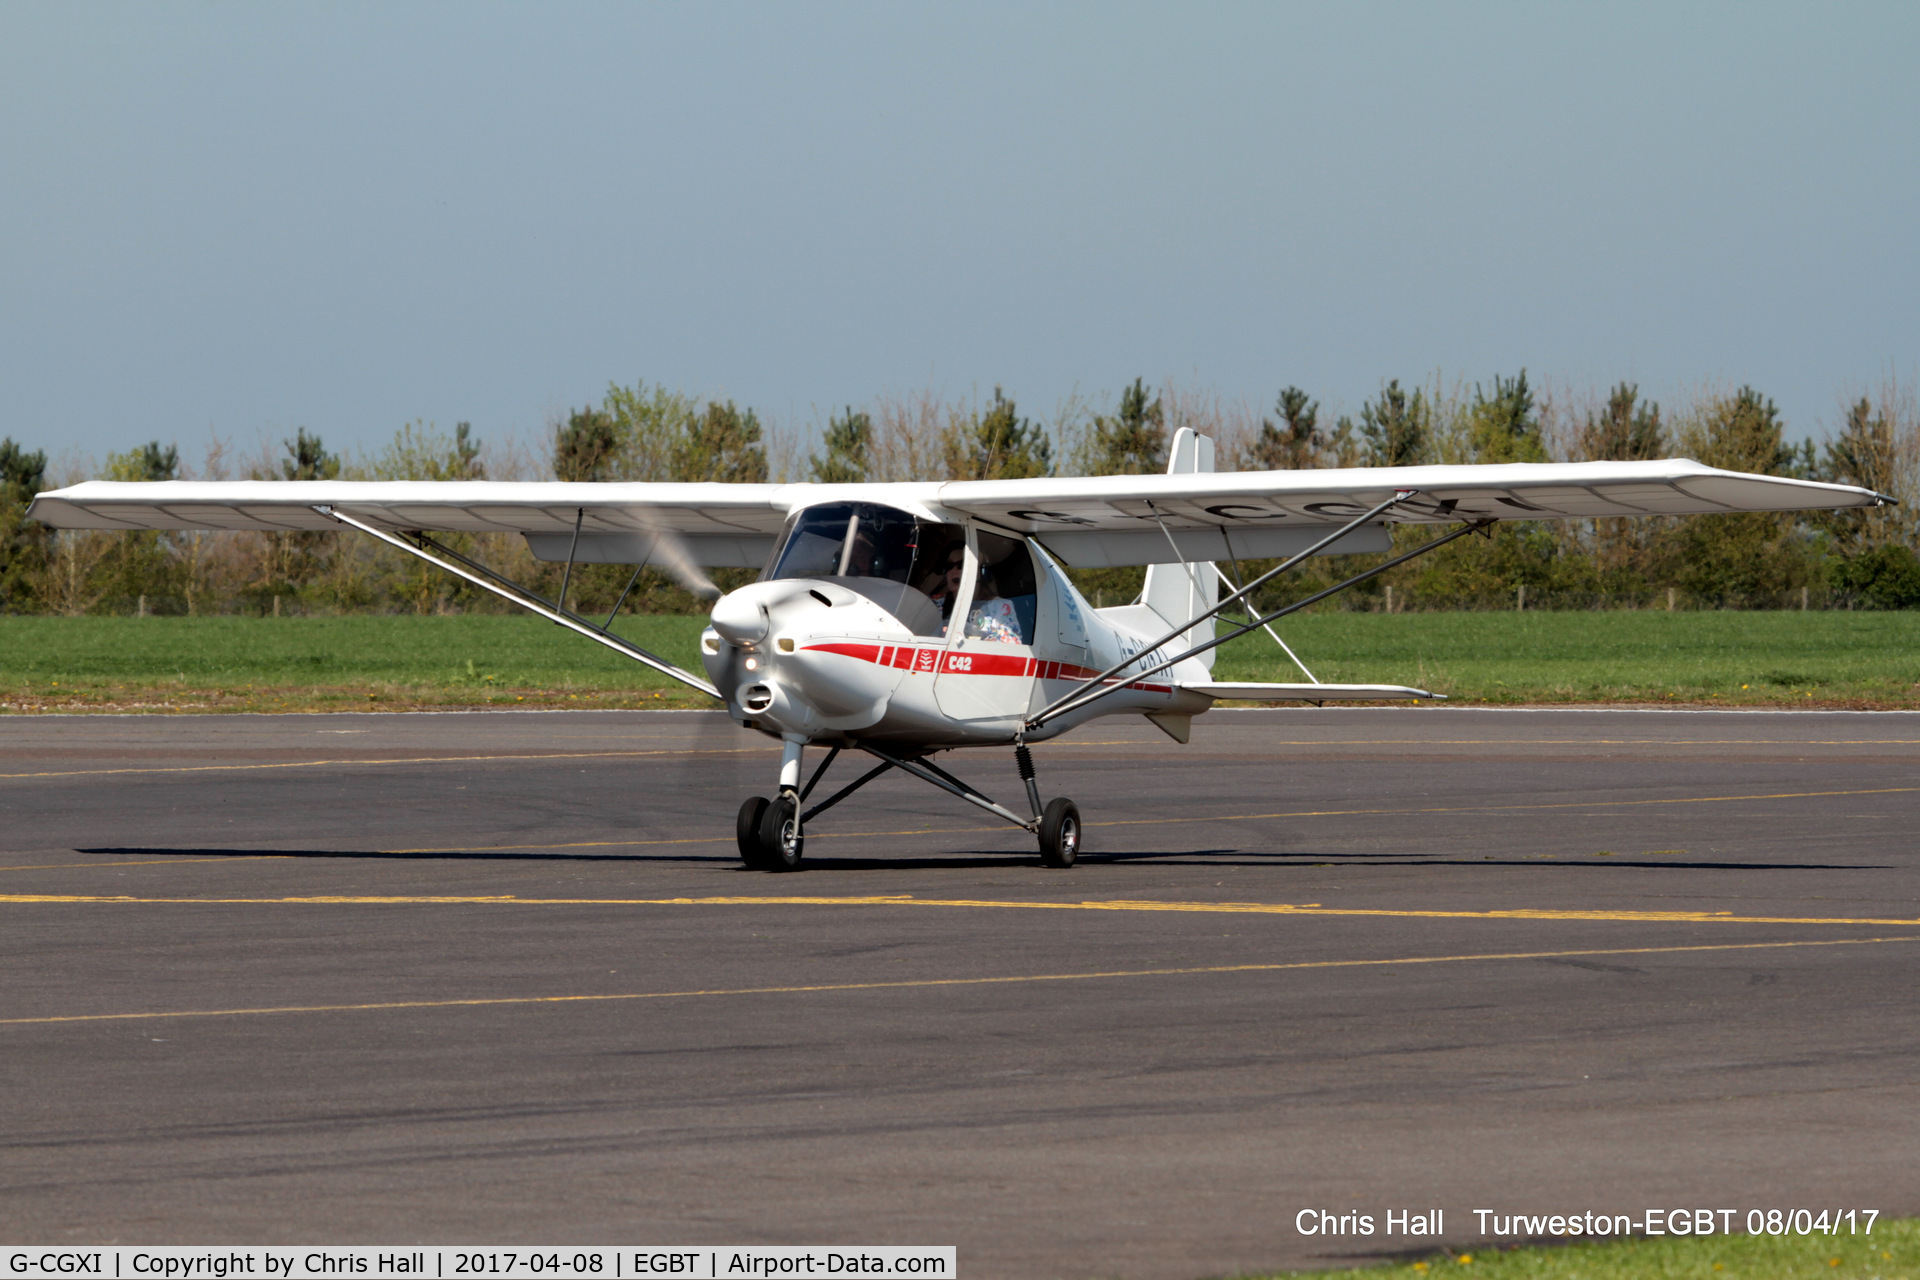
x,y
1178,592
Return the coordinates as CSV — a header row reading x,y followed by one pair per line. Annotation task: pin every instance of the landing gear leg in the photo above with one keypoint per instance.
x,y
1058,823
781,840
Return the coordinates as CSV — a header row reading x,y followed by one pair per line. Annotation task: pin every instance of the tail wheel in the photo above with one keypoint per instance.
x,y
1060,833
780,834
746,831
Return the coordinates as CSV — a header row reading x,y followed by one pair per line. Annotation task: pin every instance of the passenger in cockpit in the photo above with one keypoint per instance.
x,y
992,617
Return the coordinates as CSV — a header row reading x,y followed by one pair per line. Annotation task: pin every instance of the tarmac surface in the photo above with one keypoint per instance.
x,y
500,978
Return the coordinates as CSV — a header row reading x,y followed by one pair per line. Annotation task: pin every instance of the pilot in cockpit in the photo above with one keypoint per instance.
x,y
944,588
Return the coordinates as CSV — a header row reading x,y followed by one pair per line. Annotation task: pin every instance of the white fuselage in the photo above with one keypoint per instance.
x,y
821,659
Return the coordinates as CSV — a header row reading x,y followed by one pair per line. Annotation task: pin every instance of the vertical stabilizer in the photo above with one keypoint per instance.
x,y
1178,592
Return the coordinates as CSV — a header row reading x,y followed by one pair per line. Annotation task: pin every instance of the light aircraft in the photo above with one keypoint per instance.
x,y
904,619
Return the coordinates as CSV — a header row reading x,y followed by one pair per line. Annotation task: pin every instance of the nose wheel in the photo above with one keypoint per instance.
x,y
746,831
1060,833
769,833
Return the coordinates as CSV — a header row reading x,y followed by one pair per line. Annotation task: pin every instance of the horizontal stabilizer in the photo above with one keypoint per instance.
x,y
1253,691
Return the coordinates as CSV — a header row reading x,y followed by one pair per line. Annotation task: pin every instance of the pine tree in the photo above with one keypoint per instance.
x,y
465,464
1396,427
1872,541
997,445
1134,440
1749,559
23,546
1629,431
150,461
847,440
1743,432
1862,454
295,562
1504,427
1294,445
307,459
584,448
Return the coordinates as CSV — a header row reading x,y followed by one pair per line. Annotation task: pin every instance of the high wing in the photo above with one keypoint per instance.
x,y
1516,491
1117,520
718,524
1086,520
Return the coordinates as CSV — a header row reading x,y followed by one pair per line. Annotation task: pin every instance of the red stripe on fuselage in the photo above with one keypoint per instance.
x,y
864,652
976,663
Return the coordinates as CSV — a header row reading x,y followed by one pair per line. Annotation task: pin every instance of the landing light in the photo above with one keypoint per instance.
x,y
752,663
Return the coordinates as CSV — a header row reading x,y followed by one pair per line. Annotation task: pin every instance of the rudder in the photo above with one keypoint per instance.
x,y
1179,592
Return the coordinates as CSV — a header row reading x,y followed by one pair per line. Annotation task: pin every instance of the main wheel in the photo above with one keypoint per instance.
x,y
753,851
780,835
1060,833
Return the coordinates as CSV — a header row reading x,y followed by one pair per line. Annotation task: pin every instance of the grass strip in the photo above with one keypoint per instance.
x,y
1892,1252
347,662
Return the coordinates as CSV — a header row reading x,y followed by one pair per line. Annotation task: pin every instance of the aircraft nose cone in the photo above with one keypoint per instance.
x,y
740,620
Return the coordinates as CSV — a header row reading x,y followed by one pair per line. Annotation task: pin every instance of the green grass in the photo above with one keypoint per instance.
x,y
1789,658
311,663
259,664
1892,1252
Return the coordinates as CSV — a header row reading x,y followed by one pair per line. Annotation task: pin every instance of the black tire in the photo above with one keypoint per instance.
x,y
1060,833
746,831
780,836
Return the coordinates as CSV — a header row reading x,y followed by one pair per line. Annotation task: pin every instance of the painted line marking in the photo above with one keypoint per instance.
x,y
153,862
939,982
1505,808
377,760
903,900
373,760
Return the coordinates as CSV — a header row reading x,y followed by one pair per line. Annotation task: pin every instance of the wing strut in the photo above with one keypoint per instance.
x,y
1081,697
527,600
1073,698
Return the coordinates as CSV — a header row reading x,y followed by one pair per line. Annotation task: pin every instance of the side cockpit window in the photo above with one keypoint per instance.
x,y
894,559
1007,595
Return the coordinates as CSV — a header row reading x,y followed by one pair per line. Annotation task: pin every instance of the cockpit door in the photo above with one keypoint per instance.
x,y
987,669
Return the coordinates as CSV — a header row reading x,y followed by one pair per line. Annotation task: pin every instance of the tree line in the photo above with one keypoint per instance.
x,y
1851,559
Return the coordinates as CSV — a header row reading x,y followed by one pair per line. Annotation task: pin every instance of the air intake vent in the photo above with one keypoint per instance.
x,y
757,698
822,599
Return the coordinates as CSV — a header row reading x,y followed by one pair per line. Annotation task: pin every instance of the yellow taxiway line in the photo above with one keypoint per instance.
x,y
904,900
815,988
152,862
466,759
382,760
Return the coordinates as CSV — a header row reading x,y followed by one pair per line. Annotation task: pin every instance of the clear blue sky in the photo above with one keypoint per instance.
x,y
250,217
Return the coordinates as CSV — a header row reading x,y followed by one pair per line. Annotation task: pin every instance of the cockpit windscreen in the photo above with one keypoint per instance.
x,y
894,559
